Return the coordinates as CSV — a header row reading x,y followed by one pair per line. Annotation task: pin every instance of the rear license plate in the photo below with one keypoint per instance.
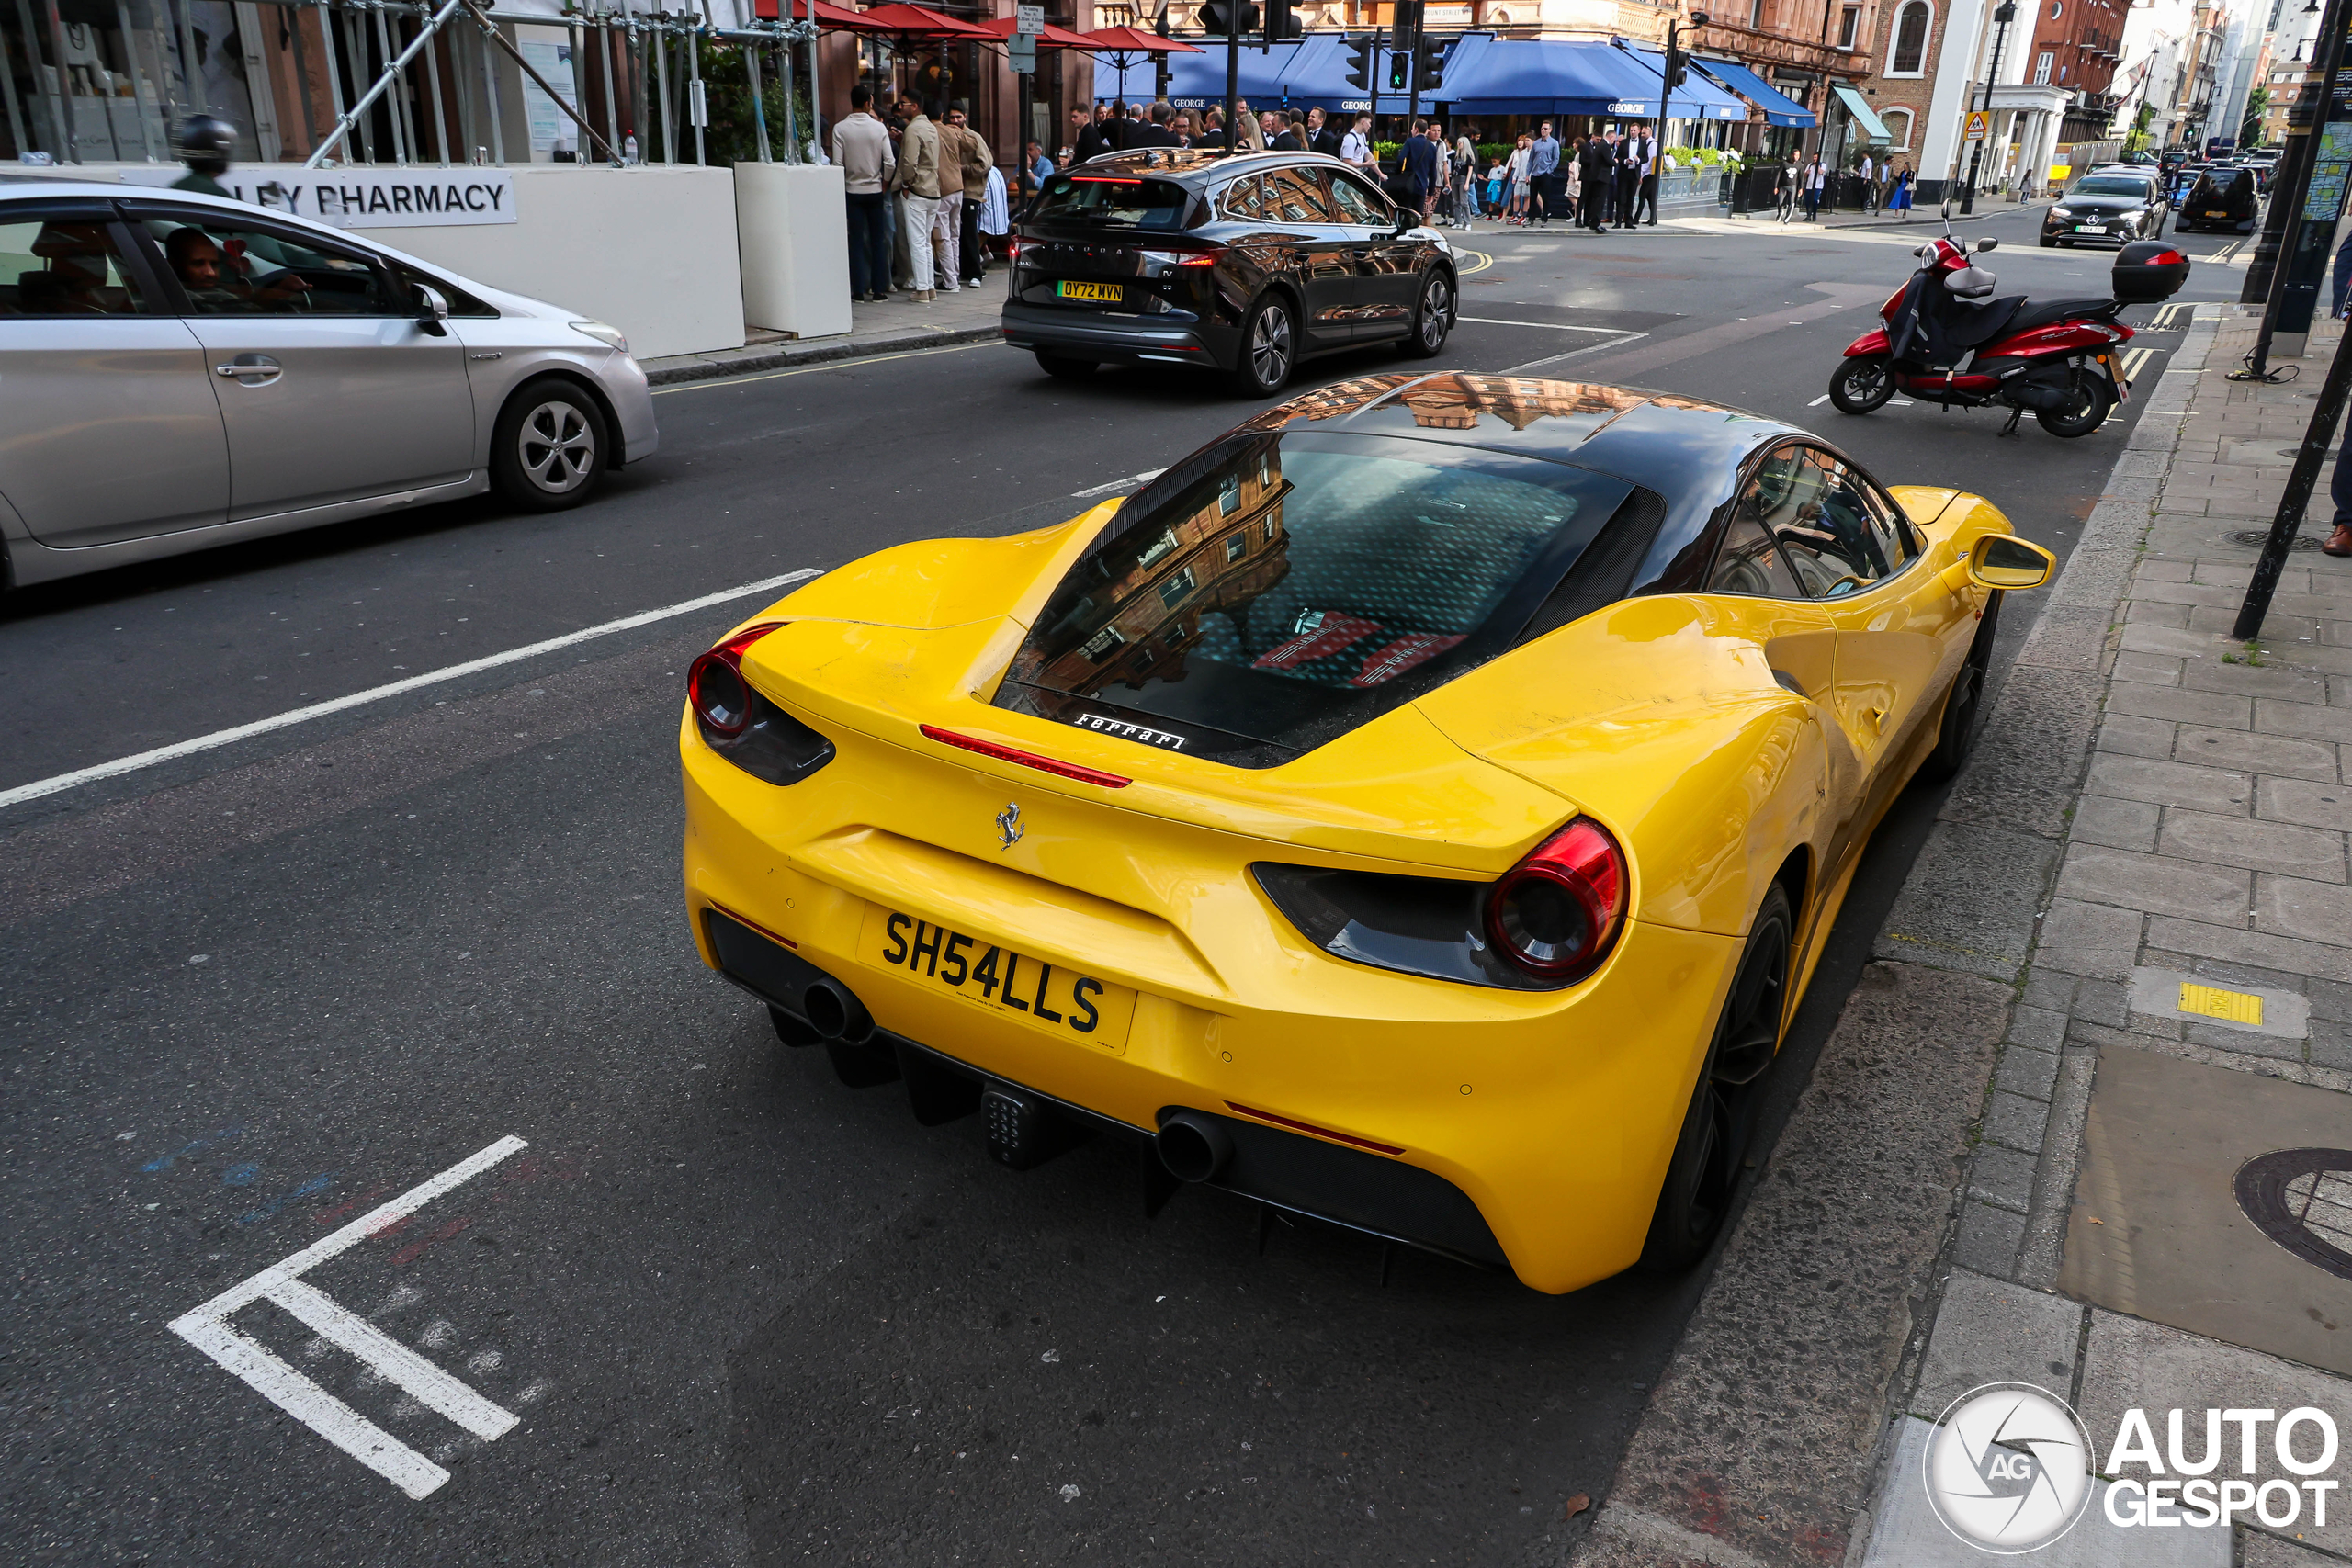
x,y
2217,213
1107,293
1043,995
2114,366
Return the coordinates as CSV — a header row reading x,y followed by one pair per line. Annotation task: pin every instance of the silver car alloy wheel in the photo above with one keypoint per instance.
x,y
556,447
1436,308
1270,346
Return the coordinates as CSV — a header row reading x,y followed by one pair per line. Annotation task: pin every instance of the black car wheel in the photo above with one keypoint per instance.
x,y
549,449
1963,702
1269,348
2048,242
1066,369
1432,319
1704,1173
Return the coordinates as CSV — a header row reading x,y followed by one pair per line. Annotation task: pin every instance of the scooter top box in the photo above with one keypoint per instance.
x,y
2147,271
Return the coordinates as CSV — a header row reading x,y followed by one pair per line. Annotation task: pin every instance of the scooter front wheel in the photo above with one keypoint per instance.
x,y
1861,384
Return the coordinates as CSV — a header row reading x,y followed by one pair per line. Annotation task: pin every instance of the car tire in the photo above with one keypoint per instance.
x,y
2048,243
1065,369
1703,1176
1432,319
549,448
1269,348
1861,384
1963,704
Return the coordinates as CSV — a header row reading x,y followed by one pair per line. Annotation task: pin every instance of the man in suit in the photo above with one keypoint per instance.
x,y
1293,138
1091,140
1600,177
1322,136
1642,160
1417,161
1156,132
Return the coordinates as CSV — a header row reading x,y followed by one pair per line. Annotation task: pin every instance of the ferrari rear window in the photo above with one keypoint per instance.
x,y
1280,588
1112,201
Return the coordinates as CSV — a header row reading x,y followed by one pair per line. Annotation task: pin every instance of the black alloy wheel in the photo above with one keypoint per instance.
x,y
2088,398
1432,319
1065,369
1703,1176
1861,384
1269,348
549,450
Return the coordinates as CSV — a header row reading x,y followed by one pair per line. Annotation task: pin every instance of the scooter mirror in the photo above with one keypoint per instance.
x,y
1988,245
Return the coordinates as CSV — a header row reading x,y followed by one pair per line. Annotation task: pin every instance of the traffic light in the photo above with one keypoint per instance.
x,y
1400,65
1677,67
1159,76
1362,53
1429,64
1281,24
1224,18
1403,44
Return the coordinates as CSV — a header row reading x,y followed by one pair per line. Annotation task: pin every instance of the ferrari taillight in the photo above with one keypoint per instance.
x,y
1557,913
714,685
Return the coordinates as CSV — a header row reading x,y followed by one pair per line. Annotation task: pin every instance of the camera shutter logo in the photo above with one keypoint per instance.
x,y
2008,1469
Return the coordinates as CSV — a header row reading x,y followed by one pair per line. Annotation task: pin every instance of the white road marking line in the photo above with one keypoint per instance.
x,y
2133,359
1572,354
1143,477
316,1408
1899,403
207,1329
219,737
1818,402
812,369
1548,326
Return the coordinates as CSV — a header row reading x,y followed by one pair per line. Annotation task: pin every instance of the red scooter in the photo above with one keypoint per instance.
x,y
1946,341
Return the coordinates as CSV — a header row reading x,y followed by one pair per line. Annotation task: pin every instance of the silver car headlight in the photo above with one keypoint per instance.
x,y
610,336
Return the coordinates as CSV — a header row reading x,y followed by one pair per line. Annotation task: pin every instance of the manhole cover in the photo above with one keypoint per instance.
x,y
2301,1199
2259,536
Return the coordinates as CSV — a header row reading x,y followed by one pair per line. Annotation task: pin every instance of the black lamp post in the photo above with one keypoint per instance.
x,y
2003,18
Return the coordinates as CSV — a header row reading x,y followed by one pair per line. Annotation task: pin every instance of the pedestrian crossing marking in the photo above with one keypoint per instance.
x,y
2229,1006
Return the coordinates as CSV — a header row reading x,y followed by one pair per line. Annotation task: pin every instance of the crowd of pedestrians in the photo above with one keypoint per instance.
x,y
926,200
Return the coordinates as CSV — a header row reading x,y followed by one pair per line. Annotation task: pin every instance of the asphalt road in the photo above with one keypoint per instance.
x,y
744,1316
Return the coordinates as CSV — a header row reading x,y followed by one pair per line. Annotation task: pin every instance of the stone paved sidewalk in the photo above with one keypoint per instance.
x,y
898,325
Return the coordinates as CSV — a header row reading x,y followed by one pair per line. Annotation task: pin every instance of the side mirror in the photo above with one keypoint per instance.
x,y
2006,561
432,311
1988,245
1405,218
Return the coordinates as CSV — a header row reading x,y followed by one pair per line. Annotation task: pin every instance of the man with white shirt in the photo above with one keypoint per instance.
x,y
1355,147
1869,173
1641,170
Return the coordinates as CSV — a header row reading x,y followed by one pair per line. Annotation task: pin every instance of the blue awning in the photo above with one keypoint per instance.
x,y
1777,106
1197,81
1697,98
1545,76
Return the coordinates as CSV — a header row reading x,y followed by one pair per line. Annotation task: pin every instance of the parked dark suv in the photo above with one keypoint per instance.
x,y
1248,264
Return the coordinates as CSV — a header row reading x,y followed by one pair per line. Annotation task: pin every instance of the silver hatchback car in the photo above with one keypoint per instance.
x,y
178,371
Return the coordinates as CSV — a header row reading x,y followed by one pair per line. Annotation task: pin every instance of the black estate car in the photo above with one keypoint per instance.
x,y
1246,264
2109,206
2222,197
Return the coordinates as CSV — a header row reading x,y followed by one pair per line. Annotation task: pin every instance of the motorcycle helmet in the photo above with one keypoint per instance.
x,y
206,142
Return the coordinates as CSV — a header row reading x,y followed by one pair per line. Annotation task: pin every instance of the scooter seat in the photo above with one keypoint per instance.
x,y
1980,324
2050,312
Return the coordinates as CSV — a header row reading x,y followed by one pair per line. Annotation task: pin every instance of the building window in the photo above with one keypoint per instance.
x,y
1755,15
2041,68
1912,25
1853,19
1898,125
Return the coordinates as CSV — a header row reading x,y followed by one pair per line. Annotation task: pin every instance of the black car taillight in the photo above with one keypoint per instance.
x,y
744,727
1557,913
1547,923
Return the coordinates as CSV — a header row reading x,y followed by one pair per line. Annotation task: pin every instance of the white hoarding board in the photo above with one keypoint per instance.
x,y
367,199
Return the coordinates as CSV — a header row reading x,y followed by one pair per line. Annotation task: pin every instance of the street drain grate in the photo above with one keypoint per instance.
x,y
2301,1199
2262,536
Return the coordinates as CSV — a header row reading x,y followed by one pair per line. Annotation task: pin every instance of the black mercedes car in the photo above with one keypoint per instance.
x,y
1244,264
2222,197
2111,207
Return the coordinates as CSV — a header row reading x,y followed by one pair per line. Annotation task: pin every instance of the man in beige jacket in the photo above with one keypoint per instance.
x,y
971,263
947,219
916,179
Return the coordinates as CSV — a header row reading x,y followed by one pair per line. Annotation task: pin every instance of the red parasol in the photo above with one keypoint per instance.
x,y
830,17
1135,41
905,21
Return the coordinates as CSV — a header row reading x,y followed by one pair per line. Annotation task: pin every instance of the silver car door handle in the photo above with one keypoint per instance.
x,y
260,367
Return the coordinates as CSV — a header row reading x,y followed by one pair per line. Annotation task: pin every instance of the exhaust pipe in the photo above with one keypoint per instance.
x,y
835,1013
1193,1147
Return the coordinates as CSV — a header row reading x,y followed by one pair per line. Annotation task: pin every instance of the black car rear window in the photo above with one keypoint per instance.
x,y
1282,587
1113,201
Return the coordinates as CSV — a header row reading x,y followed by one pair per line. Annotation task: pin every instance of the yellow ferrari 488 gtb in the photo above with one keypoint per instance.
x,y
1419,809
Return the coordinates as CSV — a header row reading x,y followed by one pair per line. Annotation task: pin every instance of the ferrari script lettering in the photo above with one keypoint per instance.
x,y
1126,731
